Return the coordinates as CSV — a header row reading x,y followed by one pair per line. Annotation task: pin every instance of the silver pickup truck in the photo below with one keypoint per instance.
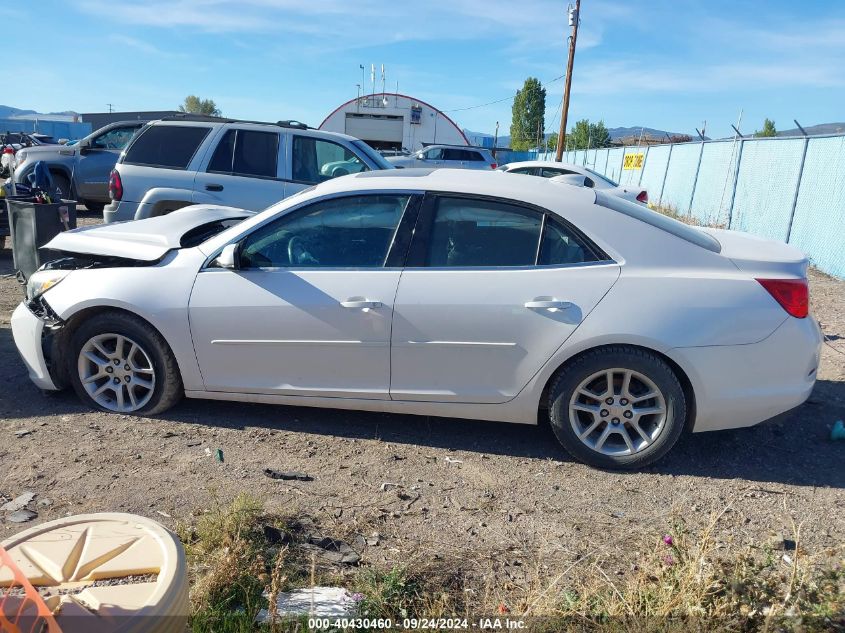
x,y
82,170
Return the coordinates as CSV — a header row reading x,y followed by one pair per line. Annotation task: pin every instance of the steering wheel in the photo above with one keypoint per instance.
x,y
297,253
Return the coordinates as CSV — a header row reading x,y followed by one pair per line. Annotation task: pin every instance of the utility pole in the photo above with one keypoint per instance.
x,y
574,19
111,107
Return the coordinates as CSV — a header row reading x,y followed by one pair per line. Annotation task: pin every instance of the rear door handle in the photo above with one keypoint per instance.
x,y
213,187
548,304
361,303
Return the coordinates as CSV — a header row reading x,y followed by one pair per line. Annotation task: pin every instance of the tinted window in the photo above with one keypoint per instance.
x,y
316,160
453,154
434,154
170,146
246,153
118,138
481,233
547,172
528,171
561,246
473,156
353,232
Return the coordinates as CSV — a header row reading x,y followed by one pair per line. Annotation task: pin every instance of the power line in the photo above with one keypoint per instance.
x,y
511,98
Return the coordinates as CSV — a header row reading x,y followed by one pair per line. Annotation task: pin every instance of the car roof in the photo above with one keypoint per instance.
x,y
544,163
200,121
463,181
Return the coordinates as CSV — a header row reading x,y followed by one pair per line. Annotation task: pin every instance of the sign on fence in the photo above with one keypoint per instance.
x,y
633,161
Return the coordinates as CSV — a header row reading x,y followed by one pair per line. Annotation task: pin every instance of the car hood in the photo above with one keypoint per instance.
x,y
143,240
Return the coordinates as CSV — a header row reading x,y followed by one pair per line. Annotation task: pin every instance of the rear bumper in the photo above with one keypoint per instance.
x,y
28,333
742,385
120,211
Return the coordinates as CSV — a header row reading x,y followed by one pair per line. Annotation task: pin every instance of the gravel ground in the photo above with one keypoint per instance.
x,y
504,500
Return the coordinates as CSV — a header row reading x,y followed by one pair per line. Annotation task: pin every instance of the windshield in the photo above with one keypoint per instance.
x,y
376,158
600,176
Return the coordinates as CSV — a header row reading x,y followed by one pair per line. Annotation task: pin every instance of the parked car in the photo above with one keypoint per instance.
x,y
453,156
587,178
81,171
184,160
434,292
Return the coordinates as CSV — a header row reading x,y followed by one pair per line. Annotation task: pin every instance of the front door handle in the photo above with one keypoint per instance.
x,y
361,303
548,304
213,187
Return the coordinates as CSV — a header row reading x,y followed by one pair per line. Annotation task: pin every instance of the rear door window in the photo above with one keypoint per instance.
x,y
467,232
246,153
475,157
168,146
316,160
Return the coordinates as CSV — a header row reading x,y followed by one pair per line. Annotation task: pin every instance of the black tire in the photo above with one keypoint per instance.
x,y
61,182
94,207
167,390
637,360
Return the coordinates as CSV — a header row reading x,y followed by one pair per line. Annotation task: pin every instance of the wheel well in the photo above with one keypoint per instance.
x,y
164,207
61,340
686,385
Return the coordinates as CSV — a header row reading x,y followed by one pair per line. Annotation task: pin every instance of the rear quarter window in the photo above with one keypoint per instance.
x,y
168,146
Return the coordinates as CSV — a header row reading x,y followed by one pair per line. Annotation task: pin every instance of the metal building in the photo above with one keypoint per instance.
x,y
392,121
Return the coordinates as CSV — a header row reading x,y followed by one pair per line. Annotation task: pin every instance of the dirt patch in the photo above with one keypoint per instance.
x,y
504,500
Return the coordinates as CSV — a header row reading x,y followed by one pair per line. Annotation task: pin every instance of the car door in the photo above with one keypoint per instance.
x,y
243,170
491,290
315,160
98,158
307,310
431,157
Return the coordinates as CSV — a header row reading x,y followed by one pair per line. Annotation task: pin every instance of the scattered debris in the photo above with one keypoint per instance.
x,y
218,455
387,485
207,451
452,460
18,502
22,433
838,431
332,551
373,540
275,536
167,434
321,602
194,443
617,515
22,516
164,514
45,503
287,475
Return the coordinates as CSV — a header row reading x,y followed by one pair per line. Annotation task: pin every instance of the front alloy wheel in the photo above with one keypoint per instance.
x,y
116,372
121,363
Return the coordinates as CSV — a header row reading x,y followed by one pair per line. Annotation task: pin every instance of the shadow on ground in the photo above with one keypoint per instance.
x,y
796,450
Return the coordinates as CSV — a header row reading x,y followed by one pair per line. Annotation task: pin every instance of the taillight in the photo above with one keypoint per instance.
x,y
643,197
493,165
793,295
115,186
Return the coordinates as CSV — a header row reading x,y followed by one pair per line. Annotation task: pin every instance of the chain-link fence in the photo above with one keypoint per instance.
x,y
789,189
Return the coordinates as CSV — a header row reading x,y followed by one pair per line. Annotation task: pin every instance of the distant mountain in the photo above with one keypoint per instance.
x,y
813,130
616,133
8,111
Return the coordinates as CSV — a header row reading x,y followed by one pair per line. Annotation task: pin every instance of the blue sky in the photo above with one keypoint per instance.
x,y
662,63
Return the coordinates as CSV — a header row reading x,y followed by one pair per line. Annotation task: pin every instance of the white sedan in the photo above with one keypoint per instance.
x,y
446,293
577,175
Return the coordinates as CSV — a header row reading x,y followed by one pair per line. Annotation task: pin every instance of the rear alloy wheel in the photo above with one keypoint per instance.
x,y
122,364
618,407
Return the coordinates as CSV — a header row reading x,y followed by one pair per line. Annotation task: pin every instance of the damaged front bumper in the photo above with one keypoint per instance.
x,y
35,329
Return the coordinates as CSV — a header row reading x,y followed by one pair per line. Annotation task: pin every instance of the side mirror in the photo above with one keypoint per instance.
x,y
228,257
84,146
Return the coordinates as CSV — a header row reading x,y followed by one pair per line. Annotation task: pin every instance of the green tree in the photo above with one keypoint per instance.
x,y
768,129
551,142
195,105
586,135
529,112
